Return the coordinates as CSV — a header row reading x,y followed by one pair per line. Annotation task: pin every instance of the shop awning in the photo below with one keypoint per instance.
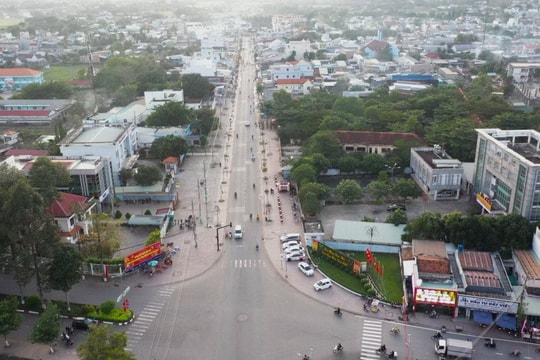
x,y
507,321
482,317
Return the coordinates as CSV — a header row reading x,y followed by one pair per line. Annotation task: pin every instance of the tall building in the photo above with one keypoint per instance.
x,y
507,172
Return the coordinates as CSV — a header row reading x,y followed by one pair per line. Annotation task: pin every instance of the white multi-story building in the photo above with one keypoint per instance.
x,y
153,99
283,23
118,144
507,173
292,70
299,48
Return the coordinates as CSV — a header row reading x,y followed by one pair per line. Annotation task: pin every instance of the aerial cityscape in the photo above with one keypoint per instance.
x,y
269,180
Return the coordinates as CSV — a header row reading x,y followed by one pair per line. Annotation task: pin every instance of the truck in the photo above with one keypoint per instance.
x,y
454,348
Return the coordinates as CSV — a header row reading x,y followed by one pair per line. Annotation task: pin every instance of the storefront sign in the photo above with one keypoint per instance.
x,y
435,297
484,200
484,304
142,255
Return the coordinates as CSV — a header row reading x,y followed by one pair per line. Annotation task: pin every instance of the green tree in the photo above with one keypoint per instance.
x,y
379,189
48,90
310,204
397,217
10,319
321,191
47,176
303,174
349,191
325,143
427,226
319,162
172,113
205,121
47,328
148,175
103,238
125,94
103,343
373,163
406,188
196,86
348,164
169,145
125,175
153,237
65,270
457,137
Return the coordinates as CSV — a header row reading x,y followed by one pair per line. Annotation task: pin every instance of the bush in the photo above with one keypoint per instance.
x,y
87,309
147,212
371,292
128,215
107,307
33,303
117,214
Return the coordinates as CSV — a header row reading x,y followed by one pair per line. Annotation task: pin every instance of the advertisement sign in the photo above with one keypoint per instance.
x,y
484,200
492,305
435,297
142,255
357,267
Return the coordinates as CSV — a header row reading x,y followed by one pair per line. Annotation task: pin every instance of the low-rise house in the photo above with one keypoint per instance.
x,y
18,78
374,142
72,215
301,86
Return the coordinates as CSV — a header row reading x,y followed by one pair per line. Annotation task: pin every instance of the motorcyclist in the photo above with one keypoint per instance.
x,y
339,347
250,216
382,348
235,195
391,354
257,247
516,352
338,311
438,335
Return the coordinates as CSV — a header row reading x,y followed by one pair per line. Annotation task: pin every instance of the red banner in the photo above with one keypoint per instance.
x,y
142,255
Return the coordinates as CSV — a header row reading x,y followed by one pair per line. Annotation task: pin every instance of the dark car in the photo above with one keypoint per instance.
x,y
395,207
82,323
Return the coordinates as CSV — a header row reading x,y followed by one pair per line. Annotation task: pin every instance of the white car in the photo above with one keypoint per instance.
x,y
295,256
306,268
322,284
290,243
247,123
293,249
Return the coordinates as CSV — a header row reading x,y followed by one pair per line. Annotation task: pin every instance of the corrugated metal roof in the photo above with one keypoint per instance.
x,y
368,232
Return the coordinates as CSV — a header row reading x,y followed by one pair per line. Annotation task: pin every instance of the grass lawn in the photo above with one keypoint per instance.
x,y
62,73
392,283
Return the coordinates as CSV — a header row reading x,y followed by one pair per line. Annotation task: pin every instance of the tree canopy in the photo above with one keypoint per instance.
x,y
169,145
172,113
48,90
103,343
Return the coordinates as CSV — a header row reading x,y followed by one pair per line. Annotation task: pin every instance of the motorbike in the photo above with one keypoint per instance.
x,y
490,343
381,350
338,348
433,315
515,353
392,355
338,312
235,195
257,247
258,217
437,336
394,330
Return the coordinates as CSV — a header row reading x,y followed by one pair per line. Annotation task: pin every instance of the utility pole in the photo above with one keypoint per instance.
x,y
205,193
194,225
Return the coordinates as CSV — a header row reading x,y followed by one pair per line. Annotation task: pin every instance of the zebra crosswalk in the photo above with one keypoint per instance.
x,y
144,319
245,263
371,339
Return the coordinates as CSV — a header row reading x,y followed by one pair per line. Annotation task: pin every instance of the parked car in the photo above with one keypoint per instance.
x,y
296,248
306,268
322,284
82,323
295,256
289,237
290,243
395,207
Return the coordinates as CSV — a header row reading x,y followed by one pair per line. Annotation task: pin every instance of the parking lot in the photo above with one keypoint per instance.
x,y
379,213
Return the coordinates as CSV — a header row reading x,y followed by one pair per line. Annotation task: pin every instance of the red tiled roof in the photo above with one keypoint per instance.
x,y
376,137
71,233
68,205
529,263
476,260
31,152
376,45
482,278
25,112
18,72
291,81
170,160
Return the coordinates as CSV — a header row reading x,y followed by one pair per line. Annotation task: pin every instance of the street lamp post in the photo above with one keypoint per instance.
x,y
392,170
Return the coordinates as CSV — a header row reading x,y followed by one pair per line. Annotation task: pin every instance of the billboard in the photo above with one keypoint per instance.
x,y
435,297
142,255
